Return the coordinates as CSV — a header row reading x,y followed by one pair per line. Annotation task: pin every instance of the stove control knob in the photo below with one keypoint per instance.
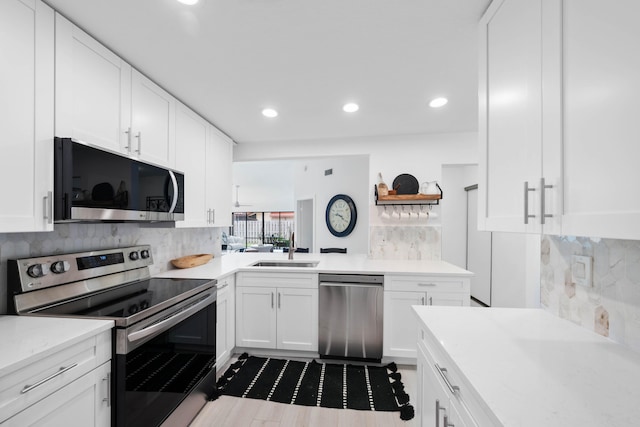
x,y
60,267
133,256
133,309
144,254
144,304
38,270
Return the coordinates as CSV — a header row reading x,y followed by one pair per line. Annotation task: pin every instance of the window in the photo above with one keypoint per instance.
x,y
259,228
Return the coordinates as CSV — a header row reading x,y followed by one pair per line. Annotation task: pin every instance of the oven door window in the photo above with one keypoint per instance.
x,y
156,377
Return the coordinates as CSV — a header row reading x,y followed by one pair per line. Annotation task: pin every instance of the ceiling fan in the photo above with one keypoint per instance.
x,y
237,203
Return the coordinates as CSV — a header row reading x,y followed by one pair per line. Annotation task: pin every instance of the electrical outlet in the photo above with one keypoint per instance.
x,y
581,270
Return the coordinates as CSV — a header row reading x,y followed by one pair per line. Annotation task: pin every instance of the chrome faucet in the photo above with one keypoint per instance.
x,y
291,245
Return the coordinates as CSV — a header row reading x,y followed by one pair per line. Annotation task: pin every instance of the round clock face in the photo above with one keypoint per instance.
x,y
341,215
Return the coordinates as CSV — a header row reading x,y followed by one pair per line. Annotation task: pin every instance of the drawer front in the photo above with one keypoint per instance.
x,y
426,283
225,285
471,409
28,385
278,280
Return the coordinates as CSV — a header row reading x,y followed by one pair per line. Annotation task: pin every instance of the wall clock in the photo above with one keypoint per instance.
x,y
341,215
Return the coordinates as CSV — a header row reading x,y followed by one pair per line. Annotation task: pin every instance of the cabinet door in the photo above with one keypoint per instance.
x,y
432,398
93,90
400,323
222,315
26,115
256,317
297,319
219,179
152,121
84,402
601,64
191,145
510,125
225,325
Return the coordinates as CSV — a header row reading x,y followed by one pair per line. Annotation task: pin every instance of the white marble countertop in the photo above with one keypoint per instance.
x,y
26,339
328,263
535,369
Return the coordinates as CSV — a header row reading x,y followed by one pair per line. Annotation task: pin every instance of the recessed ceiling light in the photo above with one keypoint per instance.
x,y
438,102
269,112
351,107
189,2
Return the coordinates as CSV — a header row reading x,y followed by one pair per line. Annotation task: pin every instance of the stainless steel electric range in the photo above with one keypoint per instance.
x,y
165,329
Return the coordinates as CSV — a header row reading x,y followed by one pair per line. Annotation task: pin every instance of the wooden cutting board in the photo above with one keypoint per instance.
x,y
191,260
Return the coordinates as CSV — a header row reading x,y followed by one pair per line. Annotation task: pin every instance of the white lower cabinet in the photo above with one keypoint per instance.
x,y
84,402
401,292
226,319
70,387
277,311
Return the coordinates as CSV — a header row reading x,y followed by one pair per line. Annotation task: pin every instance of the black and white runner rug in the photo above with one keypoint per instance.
x,y
372,388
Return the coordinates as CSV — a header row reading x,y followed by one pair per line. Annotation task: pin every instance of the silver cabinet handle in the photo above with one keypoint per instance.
x,y
128,146
438,413
48,207
279,298
451,387
422,300
27,388
139,136
543,188
446,421
526,202
430,285
271,299
430,300
108,398
223,286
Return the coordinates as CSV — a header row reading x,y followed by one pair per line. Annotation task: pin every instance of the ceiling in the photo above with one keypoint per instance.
x,y
229,59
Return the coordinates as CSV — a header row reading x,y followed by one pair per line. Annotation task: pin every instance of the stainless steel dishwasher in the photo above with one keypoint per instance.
x,y
350,316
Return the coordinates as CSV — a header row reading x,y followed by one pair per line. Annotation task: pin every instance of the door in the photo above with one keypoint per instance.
x,y
93,90
510,126
219,178
152,121
222,315
255,317
400,323
26,115
297,319
478,251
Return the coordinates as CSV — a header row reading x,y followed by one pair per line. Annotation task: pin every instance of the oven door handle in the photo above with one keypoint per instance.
x,y
173,320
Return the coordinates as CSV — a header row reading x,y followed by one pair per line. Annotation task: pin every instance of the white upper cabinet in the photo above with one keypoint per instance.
x,y
26,115
219,178
191,146
102,100
519,136
152,121
601,69
93,90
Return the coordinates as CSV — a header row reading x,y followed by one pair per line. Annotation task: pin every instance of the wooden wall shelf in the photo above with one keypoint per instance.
x,y
408,199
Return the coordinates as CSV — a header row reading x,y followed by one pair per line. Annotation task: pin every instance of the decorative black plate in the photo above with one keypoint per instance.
x,y
406,184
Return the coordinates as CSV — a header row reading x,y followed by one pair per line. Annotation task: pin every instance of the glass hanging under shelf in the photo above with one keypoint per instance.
x,y
408,199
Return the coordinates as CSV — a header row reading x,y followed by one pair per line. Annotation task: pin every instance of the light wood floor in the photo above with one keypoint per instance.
x,y
237,412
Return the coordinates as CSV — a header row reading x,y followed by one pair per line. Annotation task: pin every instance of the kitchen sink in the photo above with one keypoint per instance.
x,y
303,264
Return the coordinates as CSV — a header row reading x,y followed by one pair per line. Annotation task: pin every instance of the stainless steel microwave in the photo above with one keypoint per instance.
x,y
91,184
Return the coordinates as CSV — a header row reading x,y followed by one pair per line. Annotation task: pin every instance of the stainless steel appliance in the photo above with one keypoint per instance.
x,y
350,321
165,329
91,184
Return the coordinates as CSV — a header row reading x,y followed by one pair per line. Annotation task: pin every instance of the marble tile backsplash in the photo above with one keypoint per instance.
x,y
611,306
166,243
415,242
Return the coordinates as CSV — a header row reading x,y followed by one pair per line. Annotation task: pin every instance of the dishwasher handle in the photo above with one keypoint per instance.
x,y
349,285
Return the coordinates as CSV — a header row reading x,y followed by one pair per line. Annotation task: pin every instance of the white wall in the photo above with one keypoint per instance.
x,y
350,176
265,186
